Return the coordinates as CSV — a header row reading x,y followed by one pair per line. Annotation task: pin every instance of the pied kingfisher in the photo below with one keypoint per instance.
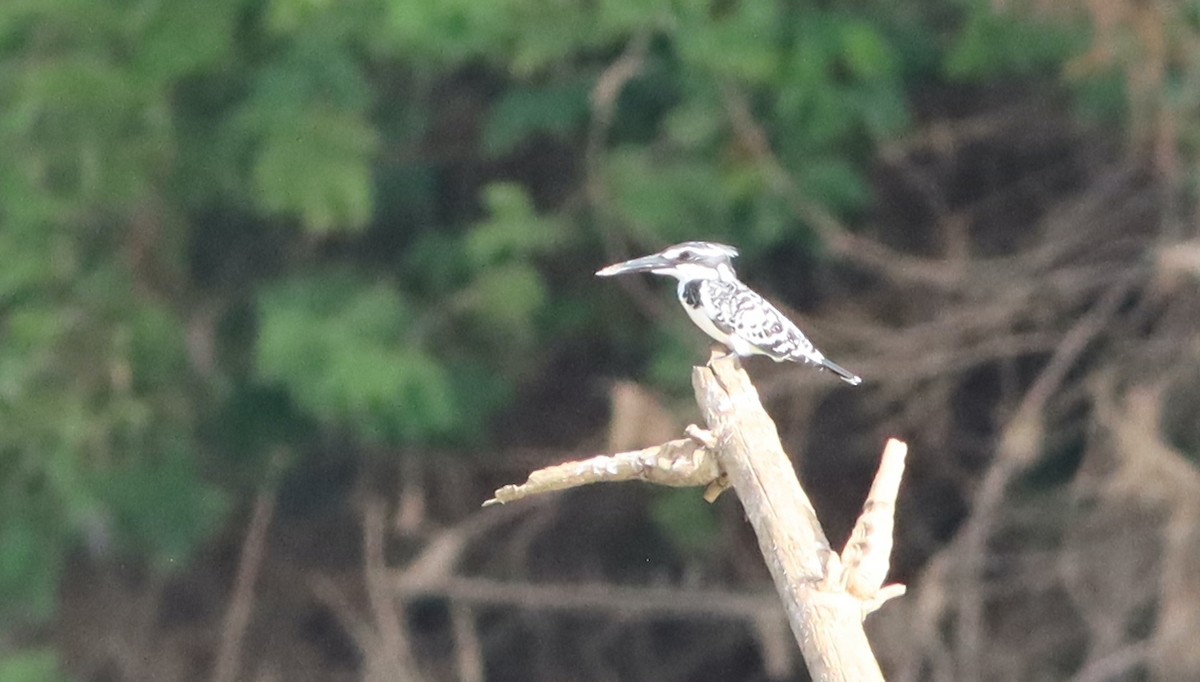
x,y
726,309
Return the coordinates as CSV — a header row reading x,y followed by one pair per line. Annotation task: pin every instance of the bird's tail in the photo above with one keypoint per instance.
x,y
843,373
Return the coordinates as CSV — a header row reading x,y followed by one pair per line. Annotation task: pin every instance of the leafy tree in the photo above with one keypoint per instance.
x,y
227,225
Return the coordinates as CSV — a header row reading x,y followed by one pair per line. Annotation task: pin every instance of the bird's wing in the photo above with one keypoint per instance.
x,y
713,297
738,311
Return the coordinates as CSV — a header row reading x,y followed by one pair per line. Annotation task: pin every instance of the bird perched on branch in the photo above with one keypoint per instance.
x,y
726,309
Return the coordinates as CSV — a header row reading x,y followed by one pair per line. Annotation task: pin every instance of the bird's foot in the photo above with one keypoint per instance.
x,y
721,352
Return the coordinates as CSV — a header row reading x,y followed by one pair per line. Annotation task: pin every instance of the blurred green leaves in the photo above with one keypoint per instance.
x,y
739,42
396,368
994,45
98,445
377,219
315,166
513,231
667,198
304,127
522,111
685,518
32,665
161,506
345,350
30,566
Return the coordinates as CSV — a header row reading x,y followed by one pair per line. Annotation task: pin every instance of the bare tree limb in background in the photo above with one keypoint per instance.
x,y
392,657
241,602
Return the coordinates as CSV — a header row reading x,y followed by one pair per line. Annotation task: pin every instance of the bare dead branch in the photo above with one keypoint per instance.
x,y
468,650
241,602
868,551
1114,665
761,473
1182,258
678,463
826,620
622,600
331,596
741,450
393,658
1153,472
1020,443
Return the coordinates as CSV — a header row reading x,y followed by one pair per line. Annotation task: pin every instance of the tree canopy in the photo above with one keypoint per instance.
x,y
289,245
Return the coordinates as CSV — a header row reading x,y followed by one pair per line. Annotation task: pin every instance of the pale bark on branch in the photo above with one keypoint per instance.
x,y
810,577
825,594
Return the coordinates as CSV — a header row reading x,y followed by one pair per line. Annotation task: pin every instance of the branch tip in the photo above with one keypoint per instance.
x,y
867,552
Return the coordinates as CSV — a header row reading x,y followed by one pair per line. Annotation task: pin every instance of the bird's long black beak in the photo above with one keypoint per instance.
x,y
643,264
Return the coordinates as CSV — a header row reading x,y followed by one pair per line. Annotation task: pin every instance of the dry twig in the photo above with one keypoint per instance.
x,y
241,602
393,657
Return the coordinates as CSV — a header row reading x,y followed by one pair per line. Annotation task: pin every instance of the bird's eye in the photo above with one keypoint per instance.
x,y
685,255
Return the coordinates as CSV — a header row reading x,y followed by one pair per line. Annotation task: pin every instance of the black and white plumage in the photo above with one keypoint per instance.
x,y
727,310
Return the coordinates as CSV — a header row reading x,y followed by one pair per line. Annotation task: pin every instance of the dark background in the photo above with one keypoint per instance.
x,y
288,287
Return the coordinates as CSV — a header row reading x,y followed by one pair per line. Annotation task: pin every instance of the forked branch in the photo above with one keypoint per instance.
x,y
825,594
824,611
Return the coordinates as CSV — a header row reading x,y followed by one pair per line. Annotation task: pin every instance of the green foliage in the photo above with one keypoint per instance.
x,y
1102,98
96,445
315,166
993,45
231,226
818,84
344,350
162,507
555,110
521,37
835,183
686,518
513,231
254,434
739,43
667,199
32,665
506,299
676,353
30,564
362,354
